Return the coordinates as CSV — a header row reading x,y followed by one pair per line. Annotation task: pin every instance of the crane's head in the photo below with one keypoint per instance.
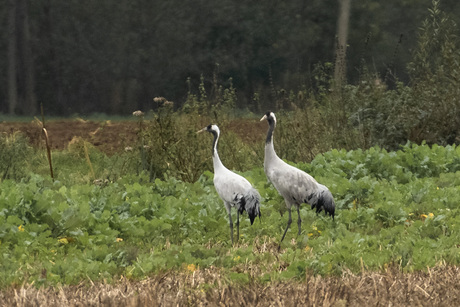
x,y
270,117
211,128
215,132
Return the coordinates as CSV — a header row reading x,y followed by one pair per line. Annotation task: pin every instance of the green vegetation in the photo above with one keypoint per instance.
x,y
394,209
13,154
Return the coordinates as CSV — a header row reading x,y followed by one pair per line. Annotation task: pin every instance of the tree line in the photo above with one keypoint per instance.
x,y
114,56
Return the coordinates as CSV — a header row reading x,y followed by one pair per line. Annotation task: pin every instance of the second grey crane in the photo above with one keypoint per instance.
x,y
232,188
294,185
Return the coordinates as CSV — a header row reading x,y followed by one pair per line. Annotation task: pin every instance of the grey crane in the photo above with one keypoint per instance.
x,y
232,188
294,185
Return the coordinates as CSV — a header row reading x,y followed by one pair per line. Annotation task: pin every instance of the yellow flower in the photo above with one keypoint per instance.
x,y
191,267
21,228
63,241
424,216
119,240
236,258
307,248
310,234
437,188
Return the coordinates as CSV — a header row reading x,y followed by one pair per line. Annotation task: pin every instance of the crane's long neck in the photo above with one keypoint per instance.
x,y
215,156
269,148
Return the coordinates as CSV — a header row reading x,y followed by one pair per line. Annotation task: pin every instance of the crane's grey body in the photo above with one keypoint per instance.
x,y
232,188
294,185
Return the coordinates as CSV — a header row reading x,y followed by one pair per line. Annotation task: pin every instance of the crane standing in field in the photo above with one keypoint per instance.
x,y
232,188
294,185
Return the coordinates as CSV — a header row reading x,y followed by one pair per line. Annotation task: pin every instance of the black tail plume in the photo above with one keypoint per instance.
x,y
252,206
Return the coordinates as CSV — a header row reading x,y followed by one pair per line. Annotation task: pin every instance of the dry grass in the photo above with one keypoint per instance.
x,y
438,286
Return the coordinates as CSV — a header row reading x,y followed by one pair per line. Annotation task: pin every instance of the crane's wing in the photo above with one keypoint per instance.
x,y
293,184
297,187
237,191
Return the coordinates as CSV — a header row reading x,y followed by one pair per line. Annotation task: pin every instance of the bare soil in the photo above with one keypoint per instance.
x,y
107,136
207,287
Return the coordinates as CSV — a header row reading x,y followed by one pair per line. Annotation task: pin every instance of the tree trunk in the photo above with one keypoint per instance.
x,y
12,60
341,48
56,74
30,104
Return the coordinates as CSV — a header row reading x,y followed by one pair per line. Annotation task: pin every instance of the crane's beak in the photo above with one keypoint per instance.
x,y
264,117
204,129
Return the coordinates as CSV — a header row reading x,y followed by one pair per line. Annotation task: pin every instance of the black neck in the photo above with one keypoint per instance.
x,y
271,128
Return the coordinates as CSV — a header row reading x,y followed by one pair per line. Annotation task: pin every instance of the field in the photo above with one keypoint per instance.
x,y
107,136
438,287
128,239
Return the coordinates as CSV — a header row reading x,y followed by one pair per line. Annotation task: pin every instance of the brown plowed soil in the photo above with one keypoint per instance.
x,y
107,136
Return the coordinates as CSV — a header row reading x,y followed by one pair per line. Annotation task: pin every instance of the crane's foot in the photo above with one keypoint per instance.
x,y
279,247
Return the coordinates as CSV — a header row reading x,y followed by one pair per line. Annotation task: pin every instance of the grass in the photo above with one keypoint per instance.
x,y
437,286
396,216
393,210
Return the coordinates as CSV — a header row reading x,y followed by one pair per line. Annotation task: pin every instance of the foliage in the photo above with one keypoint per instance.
x,y
395,208
219,104
127,53
376,112
169,146
381,116
383,112
14,150
435,72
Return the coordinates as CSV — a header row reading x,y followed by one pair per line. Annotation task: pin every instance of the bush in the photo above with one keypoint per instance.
x,y
435,73
15,156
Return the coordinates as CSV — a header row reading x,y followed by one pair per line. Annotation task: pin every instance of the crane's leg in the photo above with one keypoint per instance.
x,y
299,221
287,227
237,225
231,226
229,212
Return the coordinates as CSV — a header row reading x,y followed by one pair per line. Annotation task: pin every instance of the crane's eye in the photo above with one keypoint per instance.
x,y
209,127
